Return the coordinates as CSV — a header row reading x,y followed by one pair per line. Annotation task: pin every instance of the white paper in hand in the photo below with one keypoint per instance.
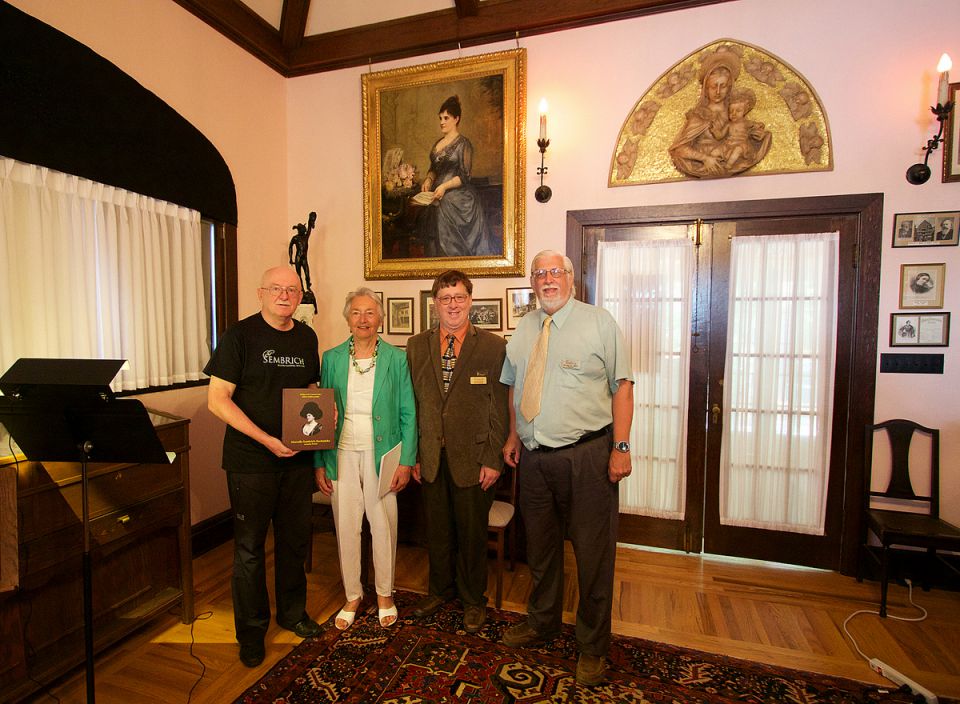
x,y
388,467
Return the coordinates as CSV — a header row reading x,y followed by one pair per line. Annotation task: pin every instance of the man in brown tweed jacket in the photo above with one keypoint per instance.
x,y
463,420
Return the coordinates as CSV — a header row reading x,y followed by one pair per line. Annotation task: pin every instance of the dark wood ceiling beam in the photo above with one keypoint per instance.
x,y
467,8
243,26
293,23
496,20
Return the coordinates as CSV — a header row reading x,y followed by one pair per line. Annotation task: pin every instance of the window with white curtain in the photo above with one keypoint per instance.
x,y
647,285
779,380
93,271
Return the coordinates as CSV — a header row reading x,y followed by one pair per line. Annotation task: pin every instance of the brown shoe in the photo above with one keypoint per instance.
x,y
522,635
590,670
474,617
428,606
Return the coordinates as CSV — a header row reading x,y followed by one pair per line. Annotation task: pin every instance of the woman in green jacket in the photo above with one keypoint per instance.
x,y
376,413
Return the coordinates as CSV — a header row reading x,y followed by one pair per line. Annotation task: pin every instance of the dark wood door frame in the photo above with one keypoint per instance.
x,y
861,371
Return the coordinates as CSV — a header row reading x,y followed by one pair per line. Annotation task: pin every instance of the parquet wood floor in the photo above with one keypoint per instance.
x,y
779,615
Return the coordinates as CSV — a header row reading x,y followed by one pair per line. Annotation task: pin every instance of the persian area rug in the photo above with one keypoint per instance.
x,y
437,661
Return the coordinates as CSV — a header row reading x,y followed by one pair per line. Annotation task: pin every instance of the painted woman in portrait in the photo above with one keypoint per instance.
x,y
453,224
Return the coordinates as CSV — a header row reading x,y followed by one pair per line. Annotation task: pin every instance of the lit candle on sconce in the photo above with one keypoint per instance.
x,y
543,192
920,173
543,117
943,68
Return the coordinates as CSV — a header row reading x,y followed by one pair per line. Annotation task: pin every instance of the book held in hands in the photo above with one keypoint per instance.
x,y
308,419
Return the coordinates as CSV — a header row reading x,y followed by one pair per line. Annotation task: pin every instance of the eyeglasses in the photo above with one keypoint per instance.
x,y
556,272
275,291
447,300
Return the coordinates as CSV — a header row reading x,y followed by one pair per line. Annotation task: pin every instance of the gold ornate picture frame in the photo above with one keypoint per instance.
x,y
418,220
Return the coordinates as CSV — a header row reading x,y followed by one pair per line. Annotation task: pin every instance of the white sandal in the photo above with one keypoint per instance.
x,y
347,616
387,613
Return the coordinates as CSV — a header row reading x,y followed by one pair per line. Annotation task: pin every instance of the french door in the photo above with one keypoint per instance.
x,y
755,329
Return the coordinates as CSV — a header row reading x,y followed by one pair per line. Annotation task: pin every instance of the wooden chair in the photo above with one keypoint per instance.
x,y
500,521
322,517
895,513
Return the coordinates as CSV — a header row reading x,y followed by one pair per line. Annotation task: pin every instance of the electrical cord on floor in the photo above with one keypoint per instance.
x,y
203,667
922,695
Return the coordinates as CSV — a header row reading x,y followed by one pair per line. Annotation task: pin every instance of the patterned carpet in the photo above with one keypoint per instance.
x,y
436,661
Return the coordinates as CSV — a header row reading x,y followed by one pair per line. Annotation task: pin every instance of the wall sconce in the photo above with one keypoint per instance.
x,y
920,173
543,193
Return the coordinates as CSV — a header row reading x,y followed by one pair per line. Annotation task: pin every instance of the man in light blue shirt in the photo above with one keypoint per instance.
x,y
571,441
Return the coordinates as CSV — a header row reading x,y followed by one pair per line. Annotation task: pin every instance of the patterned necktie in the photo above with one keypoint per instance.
x,y
449,360
533,381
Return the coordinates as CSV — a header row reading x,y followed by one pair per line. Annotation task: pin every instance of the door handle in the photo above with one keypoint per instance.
x,y
715,414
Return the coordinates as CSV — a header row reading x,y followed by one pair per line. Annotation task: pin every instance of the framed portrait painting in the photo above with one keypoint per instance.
x,y
951,152
443,168
919,329
926,229
921,285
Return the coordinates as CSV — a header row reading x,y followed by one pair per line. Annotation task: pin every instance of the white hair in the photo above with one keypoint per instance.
x,y
362,291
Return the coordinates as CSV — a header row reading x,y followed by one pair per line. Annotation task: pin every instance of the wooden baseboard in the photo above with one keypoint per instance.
x,y
211,532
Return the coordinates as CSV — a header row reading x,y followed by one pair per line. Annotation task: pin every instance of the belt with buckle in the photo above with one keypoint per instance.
x,y
586,437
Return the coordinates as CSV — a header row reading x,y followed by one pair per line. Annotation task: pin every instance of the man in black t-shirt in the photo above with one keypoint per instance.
x,y
256,359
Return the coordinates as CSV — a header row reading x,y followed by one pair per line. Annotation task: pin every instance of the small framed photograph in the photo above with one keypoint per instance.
x,y
919,329
487,313
428,312
400,316
921,285
520,301
925,229
951,145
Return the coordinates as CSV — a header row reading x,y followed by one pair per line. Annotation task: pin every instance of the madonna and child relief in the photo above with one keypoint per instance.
x,y
725,110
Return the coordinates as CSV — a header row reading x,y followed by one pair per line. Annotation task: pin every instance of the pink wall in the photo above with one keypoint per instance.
x,y
874,77
295,146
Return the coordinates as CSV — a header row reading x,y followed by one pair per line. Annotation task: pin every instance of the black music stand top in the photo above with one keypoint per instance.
x,y
63,410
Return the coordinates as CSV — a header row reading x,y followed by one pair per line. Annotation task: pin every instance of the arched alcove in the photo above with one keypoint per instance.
x,y
65,107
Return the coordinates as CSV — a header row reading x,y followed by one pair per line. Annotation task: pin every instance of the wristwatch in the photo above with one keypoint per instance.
x,y
622,446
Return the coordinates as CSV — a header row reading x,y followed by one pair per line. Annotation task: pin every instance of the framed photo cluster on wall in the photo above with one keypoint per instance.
x,y
922,285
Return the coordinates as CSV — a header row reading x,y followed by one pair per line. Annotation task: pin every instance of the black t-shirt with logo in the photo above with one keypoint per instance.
x,y
262,361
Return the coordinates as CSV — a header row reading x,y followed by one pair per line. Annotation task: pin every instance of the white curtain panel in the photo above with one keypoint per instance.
x,y
779,381
647,285
94,271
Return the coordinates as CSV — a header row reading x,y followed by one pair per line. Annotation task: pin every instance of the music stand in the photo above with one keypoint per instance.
x,y
62,410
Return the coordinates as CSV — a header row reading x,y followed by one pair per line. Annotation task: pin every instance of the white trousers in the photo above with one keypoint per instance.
x,y
355,494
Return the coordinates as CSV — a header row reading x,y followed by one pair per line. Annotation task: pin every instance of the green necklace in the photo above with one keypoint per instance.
x,y
353,357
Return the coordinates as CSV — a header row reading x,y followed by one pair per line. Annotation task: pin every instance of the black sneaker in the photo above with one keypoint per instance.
x,y
252,654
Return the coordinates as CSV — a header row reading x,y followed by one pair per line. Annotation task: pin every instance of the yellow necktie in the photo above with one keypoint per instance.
x,y
533,381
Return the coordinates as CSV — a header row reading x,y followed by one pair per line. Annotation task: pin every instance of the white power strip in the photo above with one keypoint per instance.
x,y
885,670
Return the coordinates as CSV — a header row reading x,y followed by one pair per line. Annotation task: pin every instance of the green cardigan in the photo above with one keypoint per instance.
x,y
394,405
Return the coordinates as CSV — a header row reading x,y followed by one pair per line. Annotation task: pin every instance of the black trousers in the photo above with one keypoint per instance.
x,y
568,492
258,499
457,519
